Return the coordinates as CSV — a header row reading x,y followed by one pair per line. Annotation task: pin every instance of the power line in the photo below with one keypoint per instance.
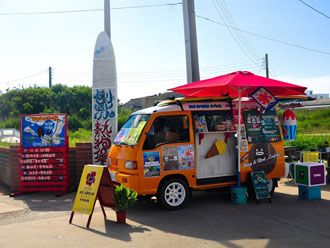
x,y
26,77
231,31
240,35
89,10
309,6
266,37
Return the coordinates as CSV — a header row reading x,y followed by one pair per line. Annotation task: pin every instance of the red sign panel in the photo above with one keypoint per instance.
x,y
43,156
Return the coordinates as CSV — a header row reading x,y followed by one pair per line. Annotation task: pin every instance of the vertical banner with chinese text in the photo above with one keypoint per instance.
x,y
104,98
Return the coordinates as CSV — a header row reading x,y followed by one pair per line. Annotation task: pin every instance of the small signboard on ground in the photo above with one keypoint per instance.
x,y
260,185
95,184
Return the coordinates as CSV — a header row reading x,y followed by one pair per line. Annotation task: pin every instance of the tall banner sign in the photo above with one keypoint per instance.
x,y
104,98
43,156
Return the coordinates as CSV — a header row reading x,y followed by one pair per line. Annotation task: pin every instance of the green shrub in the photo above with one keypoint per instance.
x,y
12,122
308,142
123,114
124,197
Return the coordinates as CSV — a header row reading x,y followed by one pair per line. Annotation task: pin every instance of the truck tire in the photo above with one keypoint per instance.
x,y
271,185
173,193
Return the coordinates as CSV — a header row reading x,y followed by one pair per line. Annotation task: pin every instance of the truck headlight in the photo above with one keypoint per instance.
x,y
130,165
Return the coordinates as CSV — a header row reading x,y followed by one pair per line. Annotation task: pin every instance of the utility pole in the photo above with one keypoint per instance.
x,y
266,65
107,25
190,36
50,76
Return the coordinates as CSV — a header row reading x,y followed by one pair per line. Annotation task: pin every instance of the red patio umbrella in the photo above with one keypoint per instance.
x,y
236,85
229,85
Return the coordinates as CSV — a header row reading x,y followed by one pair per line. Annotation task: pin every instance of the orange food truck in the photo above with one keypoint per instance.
x,y
191,144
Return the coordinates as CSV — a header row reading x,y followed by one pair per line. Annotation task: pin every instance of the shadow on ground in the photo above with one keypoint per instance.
x,y
286,222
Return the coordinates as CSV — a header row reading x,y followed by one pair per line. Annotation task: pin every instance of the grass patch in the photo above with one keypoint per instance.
x,y
80,136
6,145
306,142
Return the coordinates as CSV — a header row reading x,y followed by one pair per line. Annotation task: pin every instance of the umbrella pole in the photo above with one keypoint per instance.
x,y
239,139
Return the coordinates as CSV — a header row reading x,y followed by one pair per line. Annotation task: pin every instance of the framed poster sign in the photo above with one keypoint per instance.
x,y
44,130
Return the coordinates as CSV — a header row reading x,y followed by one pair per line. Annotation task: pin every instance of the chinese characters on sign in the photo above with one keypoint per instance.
x,y
264,98
104,123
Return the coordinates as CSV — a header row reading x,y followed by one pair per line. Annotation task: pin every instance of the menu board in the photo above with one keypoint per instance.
x,y
43,156
262,127
260,185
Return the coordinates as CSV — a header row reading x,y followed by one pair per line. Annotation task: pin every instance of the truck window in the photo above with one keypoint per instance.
x,y
131,132
212,121
167,129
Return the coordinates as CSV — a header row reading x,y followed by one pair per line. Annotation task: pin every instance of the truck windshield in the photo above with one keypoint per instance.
x,y
130,133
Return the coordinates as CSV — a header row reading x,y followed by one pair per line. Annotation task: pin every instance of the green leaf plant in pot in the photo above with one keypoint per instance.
x,y
124,198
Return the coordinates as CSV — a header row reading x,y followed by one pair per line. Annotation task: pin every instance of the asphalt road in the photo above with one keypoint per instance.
x,y
210,220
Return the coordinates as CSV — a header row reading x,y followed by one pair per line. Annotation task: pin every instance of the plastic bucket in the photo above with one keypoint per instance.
x,y
238,194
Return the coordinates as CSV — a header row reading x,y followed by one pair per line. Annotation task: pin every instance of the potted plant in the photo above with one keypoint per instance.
x,y
124,198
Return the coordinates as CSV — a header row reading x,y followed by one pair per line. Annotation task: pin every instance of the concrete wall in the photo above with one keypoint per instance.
x,y
78,157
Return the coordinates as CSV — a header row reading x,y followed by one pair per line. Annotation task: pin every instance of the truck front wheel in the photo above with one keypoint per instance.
x,y
173,193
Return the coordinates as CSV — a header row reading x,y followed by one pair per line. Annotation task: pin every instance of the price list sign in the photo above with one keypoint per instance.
x,y
43,156
262,127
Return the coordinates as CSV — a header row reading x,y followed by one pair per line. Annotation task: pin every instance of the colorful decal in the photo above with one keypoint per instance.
x,y
134,133
200,124
104,123
186,157
218,148
178,157
244,146
43,131
264,98
87,190
130,136
289,125
261,157
243,133
151,164
170,158
122,135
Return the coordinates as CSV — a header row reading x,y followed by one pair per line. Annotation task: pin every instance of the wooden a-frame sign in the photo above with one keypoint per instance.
x,y
95,184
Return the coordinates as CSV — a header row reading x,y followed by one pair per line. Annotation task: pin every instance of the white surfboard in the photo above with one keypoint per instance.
x,y
104,98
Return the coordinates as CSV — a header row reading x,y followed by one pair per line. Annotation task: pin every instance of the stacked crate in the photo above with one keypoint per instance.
x,y
309,176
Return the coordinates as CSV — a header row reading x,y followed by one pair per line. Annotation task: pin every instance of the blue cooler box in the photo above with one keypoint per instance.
x,y
309,193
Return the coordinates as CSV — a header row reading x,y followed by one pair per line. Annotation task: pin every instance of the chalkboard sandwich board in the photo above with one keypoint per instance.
x,y
260,186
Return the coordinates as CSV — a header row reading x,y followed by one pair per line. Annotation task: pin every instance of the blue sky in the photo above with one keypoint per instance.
x,y
149,42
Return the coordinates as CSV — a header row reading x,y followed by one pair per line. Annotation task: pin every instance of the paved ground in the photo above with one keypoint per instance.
x,y
210,220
